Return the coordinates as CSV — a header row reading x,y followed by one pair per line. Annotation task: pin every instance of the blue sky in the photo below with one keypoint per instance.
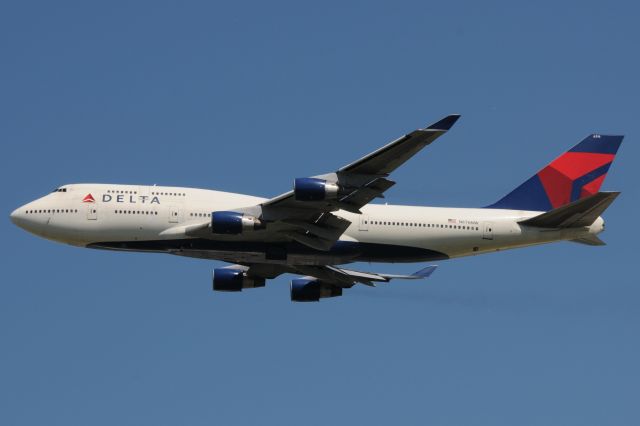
x,y
245,97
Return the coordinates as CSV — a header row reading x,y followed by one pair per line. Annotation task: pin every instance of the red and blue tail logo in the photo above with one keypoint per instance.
x,y
576,174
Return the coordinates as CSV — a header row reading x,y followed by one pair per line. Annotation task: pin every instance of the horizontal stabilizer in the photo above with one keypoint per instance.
x,y
582,212
589,240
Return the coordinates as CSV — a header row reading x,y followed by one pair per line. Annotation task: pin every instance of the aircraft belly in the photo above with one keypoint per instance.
x,y
246,257
289,253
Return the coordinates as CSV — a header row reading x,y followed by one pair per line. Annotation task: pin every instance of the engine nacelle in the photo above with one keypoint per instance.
x,y
227,279
312,290
233,223
314,189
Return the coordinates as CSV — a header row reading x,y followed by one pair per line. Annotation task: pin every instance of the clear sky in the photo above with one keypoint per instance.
x,y
246,96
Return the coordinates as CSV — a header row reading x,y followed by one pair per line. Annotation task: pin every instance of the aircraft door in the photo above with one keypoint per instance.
x,y
364,223
92,212
174,214
487,231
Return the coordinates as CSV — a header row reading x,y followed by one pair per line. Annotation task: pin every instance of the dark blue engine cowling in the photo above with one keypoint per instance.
x,y
232,223
314,189
227,279
312,290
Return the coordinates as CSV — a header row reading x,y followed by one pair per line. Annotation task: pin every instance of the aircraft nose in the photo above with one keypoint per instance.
x,y
24,217
15,216
19,217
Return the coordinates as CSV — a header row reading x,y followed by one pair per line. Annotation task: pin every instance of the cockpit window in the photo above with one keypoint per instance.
x,y
59,190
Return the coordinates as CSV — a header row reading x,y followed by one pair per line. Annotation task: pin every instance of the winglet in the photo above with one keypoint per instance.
x,y
446,123
425,272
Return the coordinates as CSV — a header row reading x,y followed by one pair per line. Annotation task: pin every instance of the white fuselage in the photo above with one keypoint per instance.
x,y
149,218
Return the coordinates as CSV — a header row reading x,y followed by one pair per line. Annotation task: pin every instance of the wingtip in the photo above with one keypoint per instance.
x,y
425,272
446,123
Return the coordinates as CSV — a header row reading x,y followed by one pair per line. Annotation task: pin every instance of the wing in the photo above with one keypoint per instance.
x,y
326,281
365,179
329,281
305,214
346,278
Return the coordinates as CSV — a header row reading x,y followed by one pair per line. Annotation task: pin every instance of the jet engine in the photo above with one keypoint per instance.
x,y
312,290
314,189
233,223
227,279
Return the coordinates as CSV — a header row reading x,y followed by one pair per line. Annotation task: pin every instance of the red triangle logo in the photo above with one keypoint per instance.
x,y
88,199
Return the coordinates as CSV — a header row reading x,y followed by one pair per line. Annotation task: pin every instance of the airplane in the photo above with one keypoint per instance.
x,y
327,221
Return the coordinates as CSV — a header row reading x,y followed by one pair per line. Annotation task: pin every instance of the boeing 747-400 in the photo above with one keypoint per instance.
x,y
327,221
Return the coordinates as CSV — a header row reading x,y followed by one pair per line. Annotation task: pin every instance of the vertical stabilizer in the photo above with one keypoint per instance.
x,y
576,174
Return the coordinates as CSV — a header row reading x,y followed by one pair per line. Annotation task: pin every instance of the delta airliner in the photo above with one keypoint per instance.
x,y
328,220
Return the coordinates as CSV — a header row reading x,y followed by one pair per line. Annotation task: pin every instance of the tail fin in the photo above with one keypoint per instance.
x,y
576,174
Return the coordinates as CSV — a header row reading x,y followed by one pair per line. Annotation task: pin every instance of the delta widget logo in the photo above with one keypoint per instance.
x,y
88,199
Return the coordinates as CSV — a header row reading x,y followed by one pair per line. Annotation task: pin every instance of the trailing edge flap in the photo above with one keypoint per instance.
x,y
577,214
589,240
